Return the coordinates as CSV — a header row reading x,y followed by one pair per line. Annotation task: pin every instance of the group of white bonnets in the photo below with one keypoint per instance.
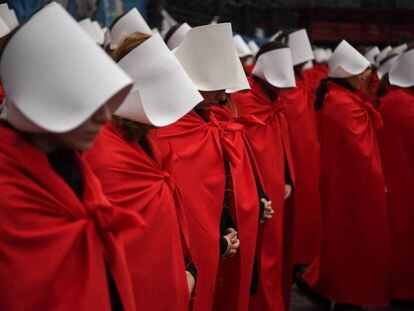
x,y
118,147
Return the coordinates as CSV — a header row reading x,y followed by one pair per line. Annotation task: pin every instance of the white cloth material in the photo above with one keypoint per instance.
x,y
402,73
400,49
346,62
55,77
162,92
93,29
99,33
253,47
308,65
107,37
329,53
128,24
4,29
300,47
371,53
167,22
6,16
208,56
178,36
241,47
320,55
243,83
386,67
384,53
14,19
276,67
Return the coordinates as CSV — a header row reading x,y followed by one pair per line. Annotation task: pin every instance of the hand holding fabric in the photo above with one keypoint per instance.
x,y
268,210
233,243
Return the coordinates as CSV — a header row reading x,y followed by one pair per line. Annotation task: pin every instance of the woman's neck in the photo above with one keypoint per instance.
x,y
44,142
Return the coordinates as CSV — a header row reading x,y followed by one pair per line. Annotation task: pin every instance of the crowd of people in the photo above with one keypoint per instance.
x,y
193,170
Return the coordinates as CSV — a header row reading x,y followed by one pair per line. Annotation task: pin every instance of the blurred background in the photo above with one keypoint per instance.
x,y
378,22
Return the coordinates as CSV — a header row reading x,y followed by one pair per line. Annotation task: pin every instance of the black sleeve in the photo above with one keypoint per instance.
x,y
288,178
223,245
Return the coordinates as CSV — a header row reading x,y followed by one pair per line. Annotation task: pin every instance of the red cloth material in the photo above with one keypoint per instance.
x,y
354,264
200,174
373,87
314,75
269,141
52,245
248,69
134,181
300,115
397,109
234,280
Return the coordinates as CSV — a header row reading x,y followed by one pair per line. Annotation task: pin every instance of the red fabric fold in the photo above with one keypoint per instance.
x,y
200,174
305,154
354,263
54,246
234,281
137,182
397,110
269,142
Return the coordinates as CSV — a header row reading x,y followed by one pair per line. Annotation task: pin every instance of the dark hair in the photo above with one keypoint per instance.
x,y
269,46
323,89
284,36
171,31
382,87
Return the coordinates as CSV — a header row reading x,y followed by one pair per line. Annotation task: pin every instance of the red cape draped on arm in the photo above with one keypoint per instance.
x,y
52,245
354,264
269,141
397,109
234,281
305,154
200,174
134,181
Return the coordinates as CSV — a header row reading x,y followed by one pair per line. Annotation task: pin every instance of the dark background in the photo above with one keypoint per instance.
x,y
327,21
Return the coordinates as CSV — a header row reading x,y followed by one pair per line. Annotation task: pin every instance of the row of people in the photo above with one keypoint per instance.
x,y
202,187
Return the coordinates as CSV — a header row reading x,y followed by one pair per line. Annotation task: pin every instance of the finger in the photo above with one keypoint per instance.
x,y
230,230
236,245
264,201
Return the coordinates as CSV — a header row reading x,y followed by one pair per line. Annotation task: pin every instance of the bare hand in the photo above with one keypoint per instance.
x,y
268,210
190,282
288,191
233,243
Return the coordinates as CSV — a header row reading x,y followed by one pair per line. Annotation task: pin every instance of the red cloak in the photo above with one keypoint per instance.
x,y
53,246
354,264
397,109
314,75
269,140
200,174
305,154
373,87
134,181
234,280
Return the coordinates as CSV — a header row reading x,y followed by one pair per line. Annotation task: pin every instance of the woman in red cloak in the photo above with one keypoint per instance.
x,y
353,267
201,149
396,105
269,141
59,235
235,275
135,177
